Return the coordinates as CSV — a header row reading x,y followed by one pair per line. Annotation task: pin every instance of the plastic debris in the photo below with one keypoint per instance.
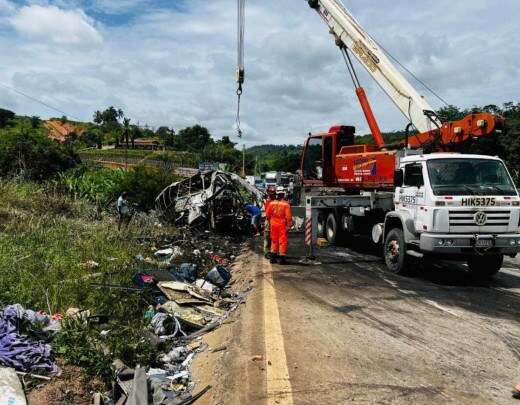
x,y
186,272
219,276
205,285
11,391
19,351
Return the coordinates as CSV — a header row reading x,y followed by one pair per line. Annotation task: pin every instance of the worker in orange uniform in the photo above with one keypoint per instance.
x,y
271,196
280,219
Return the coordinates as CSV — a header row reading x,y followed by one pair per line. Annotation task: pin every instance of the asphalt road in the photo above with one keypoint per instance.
x,y
350,332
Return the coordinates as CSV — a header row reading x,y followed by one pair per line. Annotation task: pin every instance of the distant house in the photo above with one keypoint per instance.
x,y
147,144
60,131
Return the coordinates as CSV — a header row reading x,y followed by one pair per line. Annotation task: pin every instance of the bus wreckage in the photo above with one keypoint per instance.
x,y
213,200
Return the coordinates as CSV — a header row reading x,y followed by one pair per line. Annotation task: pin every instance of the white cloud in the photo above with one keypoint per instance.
x,y
59,26
6,7
167,67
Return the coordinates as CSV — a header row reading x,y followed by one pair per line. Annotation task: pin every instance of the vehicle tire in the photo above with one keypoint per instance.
x,y
485,266
395,251
331,229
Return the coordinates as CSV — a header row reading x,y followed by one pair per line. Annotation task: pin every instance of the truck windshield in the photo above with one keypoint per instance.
x,y
469,177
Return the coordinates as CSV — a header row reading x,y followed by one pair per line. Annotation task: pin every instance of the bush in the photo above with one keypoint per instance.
x,y
144,184
5,117
96,184
28,152
103,186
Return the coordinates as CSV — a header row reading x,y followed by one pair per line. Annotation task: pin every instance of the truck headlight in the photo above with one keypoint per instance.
x,y
513,242
440,242
448,242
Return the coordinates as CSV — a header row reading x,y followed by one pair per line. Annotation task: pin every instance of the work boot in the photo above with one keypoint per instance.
x,y
273,258
282,260
516,391
268,255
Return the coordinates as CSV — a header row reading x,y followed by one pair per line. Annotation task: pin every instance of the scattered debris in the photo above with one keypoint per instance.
x,y
23,336
91,264
322,242
183,285
211,199
11,391
219,276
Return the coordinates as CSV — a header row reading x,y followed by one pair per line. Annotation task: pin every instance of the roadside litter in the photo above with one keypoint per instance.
x,y
23,340
189,280
182,290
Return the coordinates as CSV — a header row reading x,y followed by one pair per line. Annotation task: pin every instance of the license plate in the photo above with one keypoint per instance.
x,y
484,243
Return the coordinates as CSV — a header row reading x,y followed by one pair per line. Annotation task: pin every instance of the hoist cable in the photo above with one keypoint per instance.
x,y
424,84
241,6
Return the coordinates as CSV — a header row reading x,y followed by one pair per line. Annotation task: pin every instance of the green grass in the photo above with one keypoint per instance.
x,y
47,238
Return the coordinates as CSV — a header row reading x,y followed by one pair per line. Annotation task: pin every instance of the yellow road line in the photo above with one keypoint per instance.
x,y
279,390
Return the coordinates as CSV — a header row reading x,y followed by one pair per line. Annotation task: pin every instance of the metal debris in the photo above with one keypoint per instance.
x,y
213,200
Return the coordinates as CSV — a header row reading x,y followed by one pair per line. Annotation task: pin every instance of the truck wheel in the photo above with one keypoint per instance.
x,y
395,251
331,229
485,266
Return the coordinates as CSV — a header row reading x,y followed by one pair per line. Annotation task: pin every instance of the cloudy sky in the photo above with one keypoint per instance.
x,y
172,62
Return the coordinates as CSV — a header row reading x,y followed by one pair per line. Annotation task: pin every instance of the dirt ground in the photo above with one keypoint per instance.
x,y
347,331
69,388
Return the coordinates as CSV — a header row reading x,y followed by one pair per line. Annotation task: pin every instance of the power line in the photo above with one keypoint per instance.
x,y
413,75
424,84
21,93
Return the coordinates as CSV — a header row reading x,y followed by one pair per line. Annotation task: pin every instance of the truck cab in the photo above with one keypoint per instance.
x,y
455,206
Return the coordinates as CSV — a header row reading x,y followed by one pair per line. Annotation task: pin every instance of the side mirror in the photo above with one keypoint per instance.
x,y
398,178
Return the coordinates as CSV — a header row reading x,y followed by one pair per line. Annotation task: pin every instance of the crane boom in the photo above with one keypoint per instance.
x,y
350,33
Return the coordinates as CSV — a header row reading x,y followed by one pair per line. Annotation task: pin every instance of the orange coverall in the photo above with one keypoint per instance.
x,y
280,219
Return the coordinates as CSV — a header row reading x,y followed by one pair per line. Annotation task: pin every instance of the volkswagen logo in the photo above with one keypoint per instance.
x,y
480,218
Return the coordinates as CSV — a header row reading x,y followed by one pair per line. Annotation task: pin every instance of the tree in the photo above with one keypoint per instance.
x,y
193,139
35,122
92,138
5,117
451,113
126,131
28,152
109,121
227,142
166,135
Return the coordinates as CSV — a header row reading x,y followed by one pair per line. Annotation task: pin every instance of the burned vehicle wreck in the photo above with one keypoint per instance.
x,y
208,200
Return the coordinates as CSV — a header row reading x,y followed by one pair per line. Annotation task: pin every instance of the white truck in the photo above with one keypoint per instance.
x,y
453,206
272,179
446,205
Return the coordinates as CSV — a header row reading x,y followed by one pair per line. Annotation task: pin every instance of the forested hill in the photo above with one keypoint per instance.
x,y
505,145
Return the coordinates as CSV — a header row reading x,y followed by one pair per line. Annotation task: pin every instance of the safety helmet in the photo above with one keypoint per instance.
x,y
280,190
271,190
